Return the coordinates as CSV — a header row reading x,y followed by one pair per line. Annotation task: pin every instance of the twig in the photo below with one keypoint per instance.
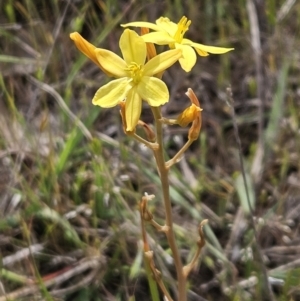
x,y
284,9
20,255
291,265
237,230
55,35
256,45
201,242
83,282
62,105
251,282
91,263
267,287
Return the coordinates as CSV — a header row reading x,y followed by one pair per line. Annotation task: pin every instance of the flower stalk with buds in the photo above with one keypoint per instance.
x,y
138,78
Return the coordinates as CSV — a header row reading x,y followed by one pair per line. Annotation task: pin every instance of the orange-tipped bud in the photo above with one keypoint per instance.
x,y
194,131
87,49
188,115
123,116
191,114
192,96
151,51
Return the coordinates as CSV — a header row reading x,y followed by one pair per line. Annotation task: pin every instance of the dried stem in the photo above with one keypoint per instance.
x,y
201,242
157,274
257,166
79,269
146,216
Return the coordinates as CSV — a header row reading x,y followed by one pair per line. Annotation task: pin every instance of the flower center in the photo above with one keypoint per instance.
x,y
182,28
135,71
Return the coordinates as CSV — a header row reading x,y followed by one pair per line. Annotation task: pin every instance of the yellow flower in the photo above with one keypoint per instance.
x,y
135,79
172,34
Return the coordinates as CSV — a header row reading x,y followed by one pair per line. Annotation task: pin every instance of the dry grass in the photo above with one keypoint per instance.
x,y
70,180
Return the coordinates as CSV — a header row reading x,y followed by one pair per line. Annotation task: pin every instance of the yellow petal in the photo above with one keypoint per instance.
x,y
85,47
189,57
133,47
112,93
200,48
159,38
167,25
142,24
133,108
111,62
162,61
153,90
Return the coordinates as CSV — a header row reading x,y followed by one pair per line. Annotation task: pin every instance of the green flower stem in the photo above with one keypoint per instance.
x,y
164,177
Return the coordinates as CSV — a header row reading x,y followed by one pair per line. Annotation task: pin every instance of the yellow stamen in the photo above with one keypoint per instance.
x,y
136,72
182,28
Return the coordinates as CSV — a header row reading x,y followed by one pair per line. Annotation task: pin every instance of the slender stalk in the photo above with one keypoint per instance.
x,y
179,154
164,177
157,275
145,142
152,283
201,242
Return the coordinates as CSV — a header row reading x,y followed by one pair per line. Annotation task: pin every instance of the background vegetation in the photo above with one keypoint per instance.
x,y
70,180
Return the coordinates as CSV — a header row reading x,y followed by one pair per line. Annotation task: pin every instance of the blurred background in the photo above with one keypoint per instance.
x,y
70,180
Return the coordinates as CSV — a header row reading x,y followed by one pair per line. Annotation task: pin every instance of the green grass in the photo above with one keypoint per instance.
x,y
70,179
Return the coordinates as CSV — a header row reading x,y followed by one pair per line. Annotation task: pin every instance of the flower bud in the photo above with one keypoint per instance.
x,y
151,51
191,114
124,124
194,131
148,131
188,115
87,49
